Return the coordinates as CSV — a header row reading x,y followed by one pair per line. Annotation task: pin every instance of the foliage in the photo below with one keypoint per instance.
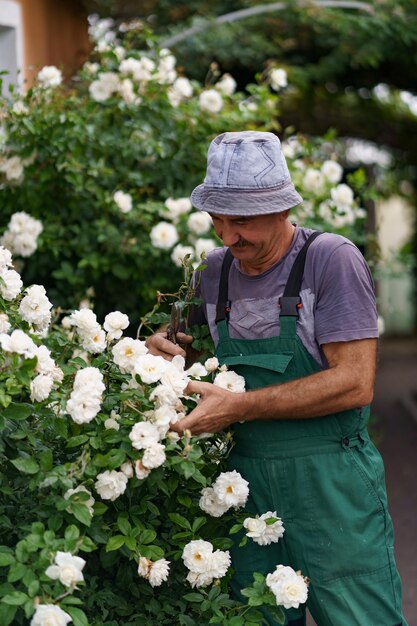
x,y
52,458
102,163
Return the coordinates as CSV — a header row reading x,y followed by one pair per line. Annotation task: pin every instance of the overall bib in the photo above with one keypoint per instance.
x,y
324,478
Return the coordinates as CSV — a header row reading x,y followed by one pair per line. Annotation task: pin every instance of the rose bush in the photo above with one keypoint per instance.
x,y
95,176
106,516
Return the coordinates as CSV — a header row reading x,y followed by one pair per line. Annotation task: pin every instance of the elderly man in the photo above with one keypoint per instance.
x,y
293,311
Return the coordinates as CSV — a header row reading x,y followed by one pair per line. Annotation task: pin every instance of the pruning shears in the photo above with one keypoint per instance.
x,y
174,324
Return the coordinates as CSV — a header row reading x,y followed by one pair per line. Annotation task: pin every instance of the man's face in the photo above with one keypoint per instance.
x,y
250,239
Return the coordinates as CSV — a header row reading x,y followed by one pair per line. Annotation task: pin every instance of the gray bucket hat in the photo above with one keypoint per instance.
x,y
247,174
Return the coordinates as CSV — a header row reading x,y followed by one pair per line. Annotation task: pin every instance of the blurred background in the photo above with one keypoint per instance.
x,y
352,73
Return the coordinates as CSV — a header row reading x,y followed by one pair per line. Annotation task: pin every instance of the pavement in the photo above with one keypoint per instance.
x,y
394,429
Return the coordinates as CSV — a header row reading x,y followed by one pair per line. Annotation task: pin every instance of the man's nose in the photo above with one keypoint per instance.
x,y
229,235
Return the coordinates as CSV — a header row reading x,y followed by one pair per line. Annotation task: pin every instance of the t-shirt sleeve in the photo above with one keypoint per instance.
x,y
345,299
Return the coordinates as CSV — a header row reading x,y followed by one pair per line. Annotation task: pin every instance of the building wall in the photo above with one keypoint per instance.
x,y
54,32
395,223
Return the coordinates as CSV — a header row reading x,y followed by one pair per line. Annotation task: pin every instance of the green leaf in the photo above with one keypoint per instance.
x,y
124,525
147,536
18,411
235,529
7,613
78,616
46,460
180,520
6,559
16,598
81,512
115,542
193,597
25,465
72,532
198,523
78,440
16,572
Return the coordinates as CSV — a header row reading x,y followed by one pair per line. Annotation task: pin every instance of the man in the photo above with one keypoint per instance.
x,y
294,313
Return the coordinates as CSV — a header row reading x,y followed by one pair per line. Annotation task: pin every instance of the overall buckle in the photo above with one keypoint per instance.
x,y
290,305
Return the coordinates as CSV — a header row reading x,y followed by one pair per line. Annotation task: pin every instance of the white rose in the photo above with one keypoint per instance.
x,y
164,236
263,533
12,168
197,370
211,101
209,503
5,258
381,325
23,244
50,615
82,409
342,195
23,222
111,484
231,381
154,456
84,319
123,201
35,306
158,572
164,395
100,91
19,343
278,78
226,85
127,351
141,471
4,323
10,285
180,252
20,108
199,223
196,555
111,424
127,92
67,569
150,368
313,180
41,387
183,87
50,76
211,364
289,587
162,417
114,324
94,340
143,435
176,207
89,381
204,246
231,489
332,170
127,469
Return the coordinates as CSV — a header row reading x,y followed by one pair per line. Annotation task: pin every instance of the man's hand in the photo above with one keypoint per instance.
x,y
159,345
217,408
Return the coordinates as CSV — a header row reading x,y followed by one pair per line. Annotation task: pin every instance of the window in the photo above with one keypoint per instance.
x,y
11,43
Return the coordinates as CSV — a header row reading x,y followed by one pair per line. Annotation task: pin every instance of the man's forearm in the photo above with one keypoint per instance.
x,y
311,396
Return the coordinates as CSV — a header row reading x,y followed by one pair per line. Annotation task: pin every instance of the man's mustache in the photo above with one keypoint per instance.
x,y
241,244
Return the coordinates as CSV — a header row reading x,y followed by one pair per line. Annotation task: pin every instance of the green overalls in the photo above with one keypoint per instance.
x,y
324,478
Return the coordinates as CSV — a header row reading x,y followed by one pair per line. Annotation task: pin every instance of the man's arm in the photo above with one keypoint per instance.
x,y
347,383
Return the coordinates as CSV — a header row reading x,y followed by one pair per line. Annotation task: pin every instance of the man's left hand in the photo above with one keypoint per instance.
x,y
217,408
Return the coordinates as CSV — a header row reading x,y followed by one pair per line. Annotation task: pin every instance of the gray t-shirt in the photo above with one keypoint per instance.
x,y
337,295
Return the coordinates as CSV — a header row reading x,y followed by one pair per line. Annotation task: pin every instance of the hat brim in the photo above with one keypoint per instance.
x,y
245,202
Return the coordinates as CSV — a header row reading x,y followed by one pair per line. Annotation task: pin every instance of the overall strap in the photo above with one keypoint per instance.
x,y
223,302
290,302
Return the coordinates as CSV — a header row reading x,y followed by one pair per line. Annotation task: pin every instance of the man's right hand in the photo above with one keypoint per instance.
x,y
159,345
